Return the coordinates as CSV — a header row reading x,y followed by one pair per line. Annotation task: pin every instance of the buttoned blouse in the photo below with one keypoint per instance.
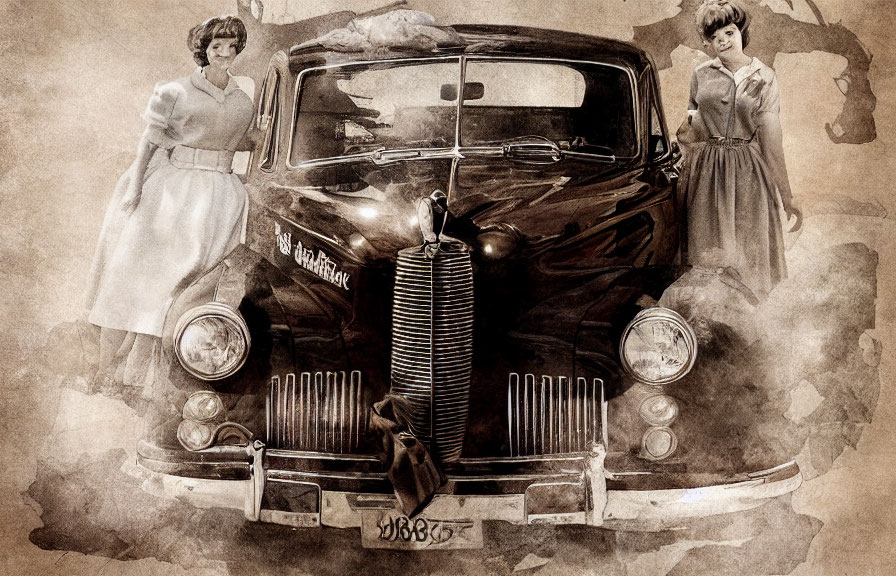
x,y
193,112
730,104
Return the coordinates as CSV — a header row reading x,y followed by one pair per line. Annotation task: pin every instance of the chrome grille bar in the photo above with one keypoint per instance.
x,y
432,328
320,411
549,415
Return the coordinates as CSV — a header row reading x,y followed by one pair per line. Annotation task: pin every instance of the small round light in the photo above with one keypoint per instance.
x,y
658,410
195,435
658,443
658,346
204,406
211,341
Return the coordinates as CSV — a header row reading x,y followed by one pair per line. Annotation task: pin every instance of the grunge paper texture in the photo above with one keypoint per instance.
x,y
75,76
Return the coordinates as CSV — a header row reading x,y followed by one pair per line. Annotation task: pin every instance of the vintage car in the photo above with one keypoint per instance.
x,y
445,311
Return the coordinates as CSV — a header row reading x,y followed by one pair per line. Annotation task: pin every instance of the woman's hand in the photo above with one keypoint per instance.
x,y
793,212
691,132
131,197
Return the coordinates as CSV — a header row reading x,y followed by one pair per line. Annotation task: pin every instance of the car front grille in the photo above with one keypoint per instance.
x,y
553,415
320,411
432,344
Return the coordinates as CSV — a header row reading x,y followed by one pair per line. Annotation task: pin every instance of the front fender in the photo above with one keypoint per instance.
x,y
278,311
226,282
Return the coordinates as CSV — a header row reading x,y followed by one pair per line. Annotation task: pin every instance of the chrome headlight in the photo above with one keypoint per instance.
x,y
658,346
211,341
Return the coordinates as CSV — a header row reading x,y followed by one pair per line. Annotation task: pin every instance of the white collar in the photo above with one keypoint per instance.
x,y
741,73
199,80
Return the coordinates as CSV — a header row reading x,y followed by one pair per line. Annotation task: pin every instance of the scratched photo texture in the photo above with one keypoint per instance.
x,y
75,76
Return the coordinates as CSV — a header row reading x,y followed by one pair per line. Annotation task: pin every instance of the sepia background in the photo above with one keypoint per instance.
x,y
74,77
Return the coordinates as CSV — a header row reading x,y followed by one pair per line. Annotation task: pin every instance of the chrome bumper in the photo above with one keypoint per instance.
x,y
575,493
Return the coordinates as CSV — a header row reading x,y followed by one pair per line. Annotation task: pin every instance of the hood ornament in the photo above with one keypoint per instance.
x,y
432,212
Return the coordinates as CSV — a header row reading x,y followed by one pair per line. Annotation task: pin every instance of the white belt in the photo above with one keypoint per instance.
x,y
186,157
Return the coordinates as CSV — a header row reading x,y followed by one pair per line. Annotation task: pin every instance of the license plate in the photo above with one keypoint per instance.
x,y
388,529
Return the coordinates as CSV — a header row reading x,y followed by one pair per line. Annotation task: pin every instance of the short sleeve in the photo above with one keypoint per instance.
x,y
770,97
158,114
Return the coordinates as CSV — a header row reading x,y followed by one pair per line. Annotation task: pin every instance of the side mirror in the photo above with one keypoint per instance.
x,y
472,91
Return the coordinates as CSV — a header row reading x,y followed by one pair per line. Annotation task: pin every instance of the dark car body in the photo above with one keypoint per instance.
x,y
562,225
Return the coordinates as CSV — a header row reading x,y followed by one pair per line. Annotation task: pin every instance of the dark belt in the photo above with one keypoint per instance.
x,y
729,142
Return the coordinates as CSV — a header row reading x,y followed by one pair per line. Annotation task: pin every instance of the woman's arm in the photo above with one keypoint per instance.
x,y
771,143
249,140
131,199
691,132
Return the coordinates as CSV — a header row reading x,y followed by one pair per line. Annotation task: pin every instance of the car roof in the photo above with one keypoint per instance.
x,y
493,40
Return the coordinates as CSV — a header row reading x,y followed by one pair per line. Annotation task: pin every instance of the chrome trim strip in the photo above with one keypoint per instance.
x,y
772,470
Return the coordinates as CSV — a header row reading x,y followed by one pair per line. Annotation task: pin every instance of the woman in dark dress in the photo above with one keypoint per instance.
x,y
737,178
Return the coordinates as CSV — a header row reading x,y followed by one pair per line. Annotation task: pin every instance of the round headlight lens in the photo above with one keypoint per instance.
x,y
195,435
658,346
659,410
658,443
204,406
211,341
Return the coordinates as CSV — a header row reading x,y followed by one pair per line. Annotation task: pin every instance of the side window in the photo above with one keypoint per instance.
x,y
268,119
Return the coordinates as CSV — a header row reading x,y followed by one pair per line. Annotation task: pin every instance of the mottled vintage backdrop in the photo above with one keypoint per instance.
x,y
74,76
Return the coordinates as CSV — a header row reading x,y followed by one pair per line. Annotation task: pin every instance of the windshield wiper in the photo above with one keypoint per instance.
x,y
541,150
382,156
532,149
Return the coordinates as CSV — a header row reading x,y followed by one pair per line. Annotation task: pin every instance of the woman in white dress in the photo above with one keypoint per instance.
x,y
178,209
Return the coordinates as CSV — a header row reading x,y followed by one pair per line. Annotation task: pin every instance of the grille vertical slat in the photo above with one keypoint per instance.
x,y
316,412
585,411
547,380
291,407
359,411
334,397
549,415
541,422
342,414
512,410
268,407
526,414
579,415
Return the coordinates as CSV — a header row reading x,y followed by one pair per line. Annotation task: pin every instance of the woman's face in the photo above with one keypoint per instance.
x,y
221,52
726,42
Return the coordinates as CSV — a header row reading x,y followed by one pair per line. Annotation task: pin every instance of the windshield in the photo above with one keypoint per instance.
x,y
359,109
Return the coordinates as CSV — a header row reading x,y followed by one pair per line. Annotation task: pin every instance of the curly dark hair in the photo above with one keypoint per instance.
x,y
715,14
201,35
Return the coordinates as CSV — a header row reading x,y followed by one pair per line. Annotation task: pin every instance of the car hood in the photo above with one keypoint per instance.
x,y
370,211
